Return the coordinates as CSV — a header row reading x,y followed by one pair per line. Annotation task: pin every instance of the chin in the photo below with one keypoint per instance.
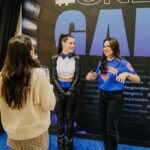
x,y
107,55
71,51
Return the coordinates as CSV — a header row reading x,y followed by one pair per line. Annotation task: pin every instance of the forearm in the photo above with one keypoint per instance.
x,y
54,74
134,78
57,86
77,73
74,84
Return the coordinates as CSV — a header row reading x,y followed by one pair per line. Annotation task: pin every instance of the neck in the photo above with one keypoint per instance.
x,y
110,58
64,52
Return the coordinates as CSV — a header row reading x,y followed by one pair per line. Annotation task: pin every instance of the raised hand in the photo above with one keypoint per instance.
x,y
91,76
122,77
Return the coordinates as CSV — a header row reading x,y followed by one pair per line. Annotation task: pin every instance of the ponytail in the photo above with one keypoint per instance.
x,y
62,38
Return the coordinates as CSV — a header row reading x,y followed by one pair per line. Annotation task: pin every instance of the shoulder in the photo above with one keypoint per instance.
x,y
38,72
99,63
54,57
77,57
124,62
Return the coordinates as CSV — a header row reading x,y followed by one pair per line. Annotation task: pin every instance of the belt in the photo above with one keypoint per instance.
x,y
65,79
111,92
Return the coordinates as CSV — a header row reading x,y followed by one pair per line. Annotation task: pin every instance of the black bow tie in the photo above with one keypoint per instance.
x,y
67,55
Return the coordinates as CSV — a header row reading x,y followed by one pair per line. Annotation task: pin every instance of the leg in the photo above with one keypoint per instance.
x,y
60,121
70,107
115,104
103,119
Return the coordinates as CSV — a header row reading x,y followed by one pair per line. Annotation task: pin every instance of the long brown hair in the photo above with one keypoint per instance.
x,y
116,52
16,73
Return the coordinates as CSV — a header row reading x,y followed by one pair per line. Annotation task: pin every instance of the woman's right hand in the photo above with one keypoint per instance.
x,y
91,76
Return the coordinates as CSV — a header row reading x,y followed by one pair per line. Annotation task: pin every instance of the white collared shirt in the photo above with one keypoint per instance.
x,y
65,67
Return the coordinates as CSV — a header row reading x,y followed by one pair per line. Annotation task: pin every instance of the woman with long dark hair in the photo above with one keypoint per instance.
x,y
65,76
26,97
112,71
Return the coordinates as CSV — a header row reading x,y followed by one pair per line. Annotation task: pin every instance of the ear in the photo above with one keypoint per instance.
x,y
63,43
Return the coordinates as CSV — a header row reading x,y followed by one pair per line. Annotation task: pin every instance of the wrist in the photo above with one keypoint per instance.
x,y
127,75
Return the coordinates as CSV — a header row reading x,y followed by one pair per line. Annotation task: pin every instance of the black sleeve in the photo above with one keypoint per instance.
x,y
76,74
54,74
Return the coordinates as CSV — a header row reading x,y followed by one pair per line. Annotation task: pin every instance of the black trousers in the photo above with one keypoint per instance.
x,y
65,107
110,108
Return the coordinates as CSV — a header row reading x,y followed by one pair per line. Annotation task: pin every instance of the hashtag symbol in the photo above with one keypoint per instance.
x,y
66,2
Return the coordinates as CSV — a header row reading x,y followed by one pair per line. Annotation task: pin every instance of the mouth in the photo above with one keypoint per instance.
x,y
71,49
106,52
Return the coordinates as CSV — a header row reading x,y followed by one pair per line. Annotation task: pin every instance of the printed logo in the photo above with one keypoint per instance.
x,y
66,2
112,70
105,76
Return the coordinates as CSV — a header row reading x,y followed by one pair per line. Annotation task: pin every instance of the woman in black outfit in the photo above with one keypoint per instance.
x,y
65,76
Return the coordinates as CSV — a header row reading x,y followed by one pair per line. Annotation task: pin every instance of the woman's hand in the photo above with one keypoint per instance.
x,y
91,76
122,77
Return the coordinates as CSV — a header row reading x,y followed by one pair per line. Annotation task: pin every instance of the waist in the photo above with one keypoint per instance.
x,y
65,79
111,92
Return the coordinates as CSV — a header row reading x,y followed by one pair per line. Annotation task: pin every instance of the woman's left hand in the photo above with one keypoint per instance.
x,y
122,77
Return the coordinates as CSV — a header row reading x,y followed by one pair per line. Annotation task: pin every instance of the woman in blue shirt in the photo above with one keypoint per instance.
x,y
112,71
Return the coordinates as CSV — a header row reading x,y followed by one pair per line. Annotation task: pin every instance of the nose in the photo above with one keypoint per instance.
x,y
73,46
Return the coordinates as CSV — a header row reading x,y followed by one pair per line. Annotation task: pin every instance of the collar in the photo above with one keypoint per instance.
x,y
67,55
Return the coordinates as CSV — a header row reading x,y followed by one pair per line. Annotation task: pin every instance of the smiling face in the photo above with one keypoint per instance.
x,y
107,50
68,46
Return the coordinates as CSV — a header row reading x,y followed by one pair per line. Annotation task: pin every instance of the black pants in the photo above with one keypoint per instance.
x,y
65,106
110,107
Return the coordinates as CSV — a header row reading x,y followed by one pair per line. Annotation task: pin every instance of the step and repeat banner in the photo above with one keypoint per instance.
x,y
90,22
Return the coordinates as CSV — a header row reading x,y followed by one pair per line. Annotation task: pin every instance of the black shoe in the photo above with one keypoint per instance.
x,y
61,145
69,145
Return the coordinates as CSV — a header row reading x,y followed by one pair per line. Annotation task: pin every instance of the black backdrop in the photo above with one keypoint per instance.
x,y
90,22
9,13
